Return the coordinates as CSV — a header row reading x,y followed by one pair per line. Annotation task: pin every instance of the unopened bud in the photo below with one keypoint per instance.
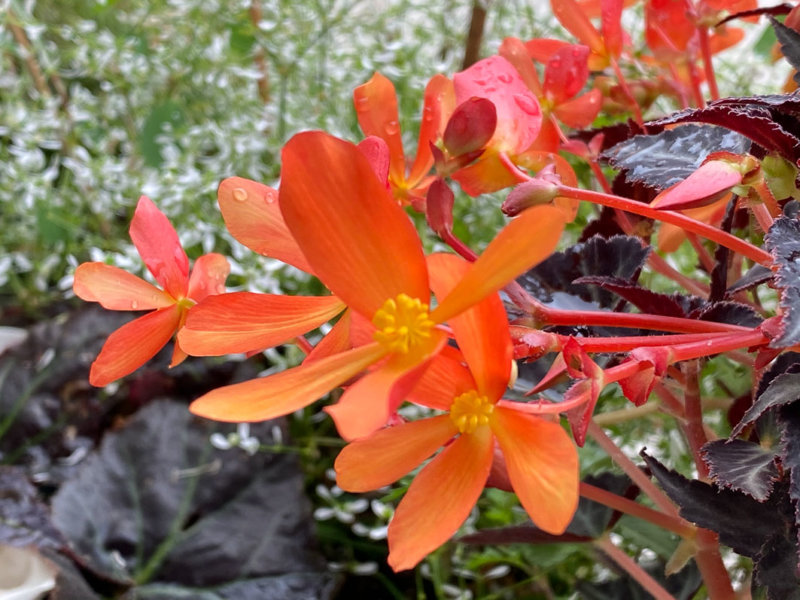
x,y
439,207
531,193
471,126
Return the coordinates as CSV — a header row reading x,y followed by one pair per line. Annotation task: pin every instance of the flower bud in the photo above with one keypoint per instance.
x,y
471,126
531,193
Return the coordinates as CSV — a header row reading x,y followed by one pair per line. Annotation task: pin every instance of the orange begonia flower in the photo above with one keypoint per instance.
x,y
540,458
363,247
376,109
133,344
245,321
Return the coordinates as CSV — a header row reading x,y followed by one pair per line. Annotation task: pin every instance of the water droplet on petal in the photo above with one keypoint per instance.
x,y
240,194
527,104
220,289
505,78
270,197
134,305
427,114
362,104
392,127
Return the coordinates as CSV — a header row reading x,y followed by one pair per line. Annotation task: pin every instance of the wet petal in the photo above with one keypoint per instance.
x,y
157,242
208,276
520,245
133,344
116,289
574,20
566,72
542,465
515,52
367,405
245,321
581,111
376,109
440,499
285,392
481,331
488,174
438,105
518,114
388,454
361,244
254,218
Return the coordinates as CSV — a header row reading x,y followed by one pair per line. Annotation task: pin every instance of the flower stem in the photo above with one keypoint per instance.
x,y
675,218
629,507
630,566
658,497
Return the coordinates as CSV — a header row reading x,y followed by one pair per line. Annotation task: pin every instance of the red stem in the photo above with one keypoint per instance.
x,y
637,112
707,231
630,566
708,65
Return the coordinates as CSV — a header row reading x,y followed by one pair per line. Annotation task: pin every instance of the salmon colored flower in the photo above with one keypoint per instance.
x,y
519,119
540,459
133,344
245,321
376,109
365,250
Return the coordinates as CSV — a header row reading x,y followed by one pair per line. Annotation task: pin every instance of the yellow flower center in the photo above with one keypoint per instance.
x,y
403,324
470,411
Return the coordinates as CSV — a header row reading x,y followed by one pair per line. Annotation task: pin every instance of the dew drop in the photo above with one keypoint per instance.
x,y
362,104
505,78
134,305
392,127
527,104
427,114
220,288
240,194
270,198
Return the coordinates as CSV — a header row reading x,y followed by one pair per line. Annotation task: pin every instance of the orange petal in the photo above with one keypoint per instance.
x,y
388,454
520,245
542,464
440,499
133,344
515,52
335,341
376,108
541,49
610,19
208,276
361,244
253,217
481,331
489,174
285,392
367,405
581,111
245,321
570,15
445,378
157,242
116,289
438,105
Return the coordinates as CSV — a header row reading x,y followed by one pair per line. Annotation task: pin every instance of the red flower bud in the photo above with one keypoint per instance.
x,y
471,126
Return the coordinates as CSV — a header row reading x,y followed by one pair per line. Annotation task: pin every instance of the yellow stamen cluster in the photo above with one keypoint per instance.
x,y
403,324
470,411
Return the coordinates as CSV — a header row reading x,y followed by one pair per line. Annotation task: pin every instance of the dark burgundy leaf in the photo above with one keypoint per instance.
x,y
619,256
789,419
778,9
24,520
756,275
724,311
642,298
665,158
158,504
742,523
294,586
775,568
783,242
751,120
790,44
605,226
742,466
783,389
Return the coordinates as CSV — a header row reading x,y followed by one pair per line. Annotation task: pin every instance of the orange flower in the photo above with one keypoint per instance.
x,y
541,460
133,344
363,247
245,321
376,108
